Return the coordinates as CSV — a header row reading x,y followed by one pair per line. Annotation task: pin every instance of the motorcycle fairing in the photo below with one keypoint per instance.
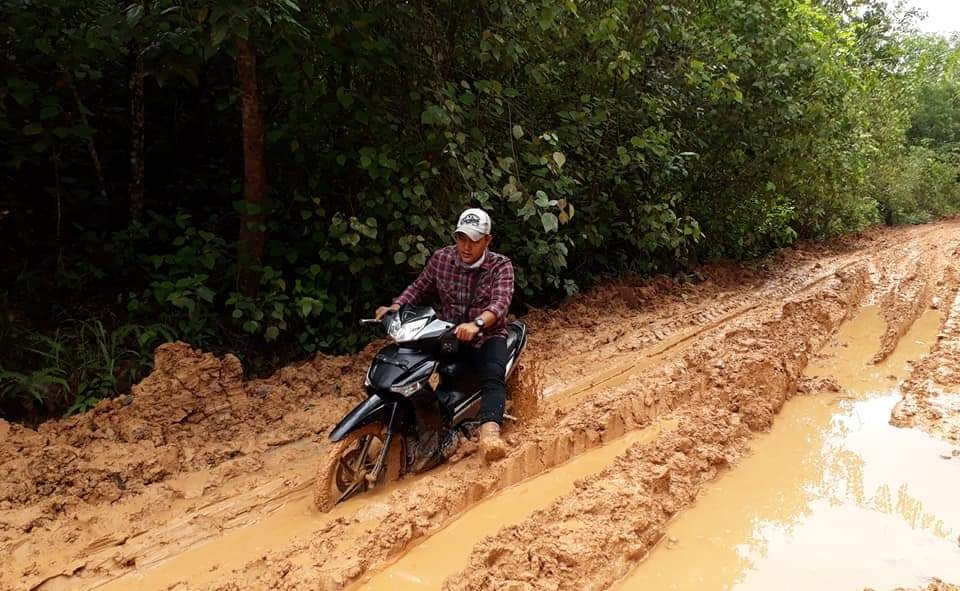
x,y
373,409
398,366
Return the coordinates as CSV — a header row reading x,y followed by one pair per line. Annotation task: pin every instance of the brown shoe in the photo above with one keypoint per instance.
x,y
491,445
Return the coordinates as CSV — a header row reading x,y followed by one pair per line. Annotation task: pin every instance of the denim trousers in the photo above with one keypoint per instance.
x,y
489,361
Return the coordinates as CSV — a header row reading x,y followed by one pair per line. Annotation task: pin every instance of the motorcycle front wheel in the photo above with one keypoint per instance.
x,y
346,470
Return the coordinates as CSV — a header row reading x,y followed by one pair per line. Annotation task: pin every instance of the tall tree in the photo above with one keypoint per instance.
x,y
255,199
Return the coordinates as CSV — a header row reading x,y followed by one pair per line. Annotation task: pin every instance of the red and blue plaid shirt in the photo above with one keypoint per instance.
x,y
465,293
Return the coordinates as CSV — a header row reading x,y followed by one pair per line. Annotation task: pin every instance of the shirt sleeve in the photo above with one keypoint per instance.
x,y
502,290
423,286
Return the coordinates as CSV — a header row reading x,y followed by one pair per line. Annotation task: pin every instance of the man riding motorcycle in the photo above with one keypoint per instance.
x,y
475,287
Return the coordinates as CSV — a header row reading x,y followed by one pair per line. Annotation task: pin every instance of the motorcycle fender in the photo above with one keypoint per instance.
x,y
375,408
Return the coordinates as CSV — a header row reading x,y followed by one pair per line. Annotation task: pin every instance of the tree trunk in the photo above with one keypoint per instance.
x,y
137,132
255,203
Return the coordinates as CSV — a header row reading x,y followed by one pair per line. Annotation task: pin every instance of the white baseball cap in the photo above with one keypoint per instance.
x,y
475,223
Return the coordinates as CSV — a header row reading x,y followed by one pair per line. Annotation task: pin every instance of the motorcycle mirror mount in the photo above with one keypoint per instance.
x,y
387,315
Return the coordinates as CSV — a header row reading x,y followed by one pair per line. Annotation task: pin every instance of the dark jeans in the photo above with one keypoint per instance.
x,y
490,363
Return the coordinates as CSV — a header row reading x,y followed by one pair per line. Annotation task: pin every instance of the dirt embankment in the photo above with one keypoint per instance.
x,y
193,412
931,397
197,455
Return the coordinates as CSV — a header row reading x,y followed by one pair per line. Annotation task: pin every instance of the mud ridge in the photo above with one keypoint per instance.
x,y
931,395
905,301
428,503
619,514
725,345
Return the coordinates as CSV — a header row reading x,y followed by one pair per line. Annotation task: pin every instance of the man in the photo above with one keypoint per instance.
x,y
474,286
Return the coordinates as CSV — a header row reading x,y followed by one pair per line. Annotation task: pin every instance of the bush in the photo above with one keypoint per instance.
x,y
918,186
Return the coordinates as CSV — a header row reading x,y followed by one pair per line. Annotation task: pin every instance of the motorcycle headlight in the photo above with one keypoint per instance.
x,y
401,332
408,389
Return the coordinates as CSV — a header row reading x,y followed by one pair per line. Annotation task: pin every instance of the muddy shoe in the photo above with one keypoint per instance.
x,y
491,445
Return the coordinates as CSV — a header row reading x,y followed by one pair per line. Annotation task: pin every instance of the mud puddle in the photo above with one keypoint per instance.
x,y
447,552
834,497
206,562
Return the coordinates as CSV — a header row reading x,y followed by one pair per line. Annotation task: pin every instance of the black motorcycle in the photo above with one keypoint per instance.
x,y
420,400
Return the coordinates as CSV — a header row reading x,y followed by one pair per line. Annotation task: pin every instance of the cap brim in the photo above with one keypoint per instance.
x,y
470,232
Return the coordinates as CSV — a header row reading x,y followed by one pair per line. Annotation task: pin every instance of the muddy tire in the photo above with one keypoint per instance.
x,y
342,474
524,391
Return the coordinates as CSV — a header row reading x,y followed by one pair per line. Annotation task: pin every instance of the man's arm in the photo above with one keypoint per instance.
x,y
424,285
500,296
501,292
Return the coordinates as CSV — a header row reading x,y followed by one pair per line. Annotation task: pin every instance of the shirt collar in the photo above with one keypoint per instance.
x,y
476,264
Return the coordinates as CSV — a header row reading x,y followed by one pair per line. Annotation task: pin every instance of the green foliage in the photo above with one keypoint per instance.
x,y
81,364
604,137
918,186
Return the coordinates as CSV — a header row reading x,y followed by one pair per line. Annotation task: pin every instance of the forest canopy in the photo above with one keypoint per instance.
x,y
256,175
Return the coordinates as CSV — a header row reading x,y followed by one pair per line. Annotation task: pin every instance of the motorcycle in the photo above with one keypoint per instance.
x,y
421,399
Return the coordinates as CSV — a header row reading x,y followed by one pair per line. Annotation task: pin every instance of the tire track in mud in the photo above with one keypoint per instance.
x,y
931,395
124,549
425,506
903,303
621,512
533,459
376,531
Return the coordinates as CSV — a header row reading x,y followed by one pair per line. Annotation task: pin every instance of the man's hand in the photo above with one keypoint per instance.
x,y
382,311
467,331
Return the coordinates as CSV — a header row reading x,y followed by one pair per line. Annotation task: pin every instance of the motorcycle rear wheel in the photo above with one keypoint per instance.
x,y
343,473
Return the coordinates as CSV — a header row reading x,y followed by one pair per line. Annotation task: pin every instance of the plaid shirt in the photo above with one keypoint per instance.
x,y
465,293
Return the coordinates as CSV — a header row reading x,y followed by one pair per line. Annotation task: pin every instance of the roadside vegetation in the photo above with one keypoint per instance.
x,y
254,176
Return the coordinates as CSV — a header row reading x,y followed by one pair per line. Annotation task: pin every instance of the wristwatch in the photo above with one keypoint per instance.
x,y
479,321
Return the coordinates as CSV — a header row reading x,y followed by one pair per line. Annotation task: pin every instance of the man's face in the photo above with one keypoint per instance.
x,y
469,250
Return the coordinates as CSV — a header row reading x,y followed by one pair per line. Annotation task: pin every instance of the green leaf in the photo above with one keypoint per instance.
x,y
399,257
33,129
271,333
218,34
517,132
206,294
251,326
344,98
559,158
549,221
134,14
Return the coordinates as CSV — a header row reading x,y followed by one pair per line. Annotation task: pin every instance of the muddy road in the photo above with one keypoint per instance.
x,y
788,424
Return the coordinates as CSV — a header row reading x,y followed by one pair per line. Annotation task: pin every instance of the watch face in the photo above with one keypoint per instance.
x,y
479,322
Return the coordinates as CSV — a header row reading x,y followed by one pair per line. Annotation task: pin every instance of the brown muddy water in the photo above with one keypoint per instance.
x,y
833,497
447,552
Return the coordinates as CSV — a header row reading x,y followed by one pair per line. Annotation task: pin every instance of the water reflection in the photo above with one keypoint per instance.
x,y
832,498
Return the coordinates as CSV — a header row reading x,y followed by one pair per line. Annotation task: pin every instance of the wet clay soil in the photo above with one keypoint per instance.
x,y
834,496
201,480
